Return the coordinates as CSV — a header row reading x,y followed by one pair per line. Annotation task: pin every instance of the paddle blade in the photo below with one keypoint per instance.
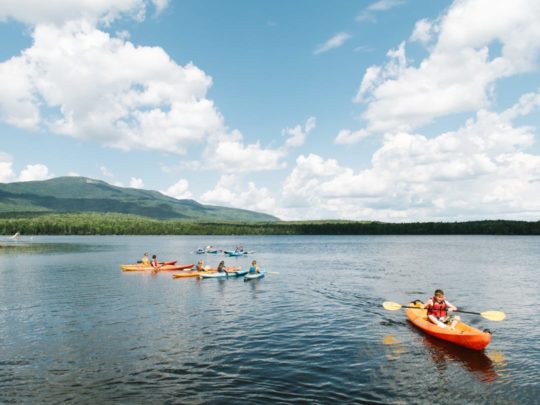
x,y
391,306
493,315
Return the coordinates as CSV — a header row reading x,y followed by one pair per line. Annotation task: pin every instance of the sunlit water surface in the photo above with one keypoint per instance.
x,y
74,328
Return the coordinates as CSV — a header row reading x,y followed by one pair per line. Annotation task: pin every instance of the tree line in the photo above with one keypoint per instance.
x,y
123,224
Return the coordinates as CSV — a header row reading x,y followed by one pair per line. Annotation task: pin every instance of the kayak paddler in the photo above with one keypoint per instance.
x,y
438,310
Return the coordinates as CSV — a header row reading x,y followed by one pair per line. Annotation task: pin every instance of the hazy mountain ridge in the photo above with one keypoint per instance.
x,y
81,194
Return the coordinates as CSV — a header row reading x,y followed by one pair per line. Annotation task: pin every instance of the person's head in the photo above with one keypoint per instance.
x,y
153,256
439,294
254,262
221,263
200,262
146,253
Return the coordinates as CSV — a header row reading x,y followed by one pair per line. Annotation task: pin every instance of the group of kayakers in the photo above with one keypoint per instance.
x,y
254,268
145,261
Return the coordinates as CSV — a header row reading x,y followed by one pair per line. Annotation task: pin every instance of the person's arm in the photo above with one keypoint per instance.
x,y
428,304
451,306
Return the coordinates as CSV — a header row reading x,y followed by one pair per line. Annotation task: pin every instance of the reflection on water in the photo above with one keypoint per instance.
x,y
474,361
396,349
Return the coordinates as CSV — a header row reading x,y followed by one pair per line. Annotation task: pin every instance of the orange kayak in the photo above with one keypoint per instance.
x,y
462,335
162,268
169,263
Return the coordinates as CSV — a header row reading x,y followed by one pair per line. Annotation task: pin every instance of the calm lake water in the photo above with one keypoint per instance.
x,y
74,328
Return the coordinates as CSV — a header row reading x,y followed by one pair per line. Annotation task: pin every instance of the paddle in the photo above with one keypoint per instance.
x,y
491,315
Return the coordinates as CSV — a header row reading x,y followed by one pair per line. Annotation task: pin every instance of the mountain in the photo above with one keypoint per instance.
x,y
81,194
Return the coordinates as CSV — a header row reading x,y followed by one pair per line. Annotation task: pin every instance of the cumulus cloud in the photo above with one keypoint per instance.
x,y
29,173
229,153
461,69
481,170
179,190
136,182
34,172
105,172
335,42
423,31
59,11
6,168
297,135
79,81
228,192
348,137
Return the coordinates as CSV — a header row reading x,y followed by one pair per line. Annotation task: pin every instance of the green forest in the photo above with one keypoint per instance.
x,y
124,224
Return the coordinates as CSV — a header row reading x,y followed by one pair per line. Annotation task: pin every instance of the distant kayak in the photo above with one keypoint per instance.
x,y
161,268
462,335
254,276
229,273
235,253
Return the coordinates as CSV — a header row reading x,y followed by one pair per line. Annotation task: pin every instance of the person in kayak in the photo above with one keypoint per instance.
x,y
155,264
200,266
145,260
254,268
221,267
438,308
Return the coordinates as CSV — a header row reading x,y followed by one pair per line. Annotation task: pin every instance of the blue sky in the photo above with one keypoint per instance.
x,y
390,110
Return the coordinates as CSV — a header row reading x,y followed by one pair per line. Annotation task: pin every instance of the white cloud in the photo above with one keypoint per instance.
x,y
230,154
179,190
106,90
297,135
482,170
105,172
136,182
423,31
160,5
382,5
29,173
34,172
229,193
460,72
335,42
60,11
347,137
6,168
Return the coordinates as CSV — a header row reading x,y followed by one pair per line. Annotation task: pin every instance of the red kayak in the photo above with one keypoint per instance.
x,y
462,335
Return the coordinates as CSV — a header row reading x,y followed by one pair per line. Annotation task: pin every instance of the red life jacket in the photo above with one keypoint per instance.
x,y
439,309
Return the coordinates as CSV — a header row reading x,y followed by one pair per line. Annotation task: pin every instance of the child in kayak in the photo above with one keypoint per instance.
x,y
438,308
254,268
155,264
145,260
200,266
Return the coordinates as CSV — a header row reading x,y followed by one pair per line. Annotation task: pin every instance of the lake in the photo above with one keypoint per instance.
x,y
75,328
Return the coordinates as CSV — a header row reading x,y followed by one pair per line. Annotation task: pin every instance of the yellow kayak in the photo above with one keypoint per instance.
x,y
196,273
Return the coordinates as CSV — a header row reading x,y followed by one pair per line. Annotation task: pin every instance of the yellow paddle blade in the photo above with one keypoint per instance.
x,y
391,306
493,315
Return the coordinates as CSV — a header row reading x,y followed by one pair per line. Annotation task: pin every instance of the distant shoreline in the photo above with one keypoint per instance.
x,y
123,224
